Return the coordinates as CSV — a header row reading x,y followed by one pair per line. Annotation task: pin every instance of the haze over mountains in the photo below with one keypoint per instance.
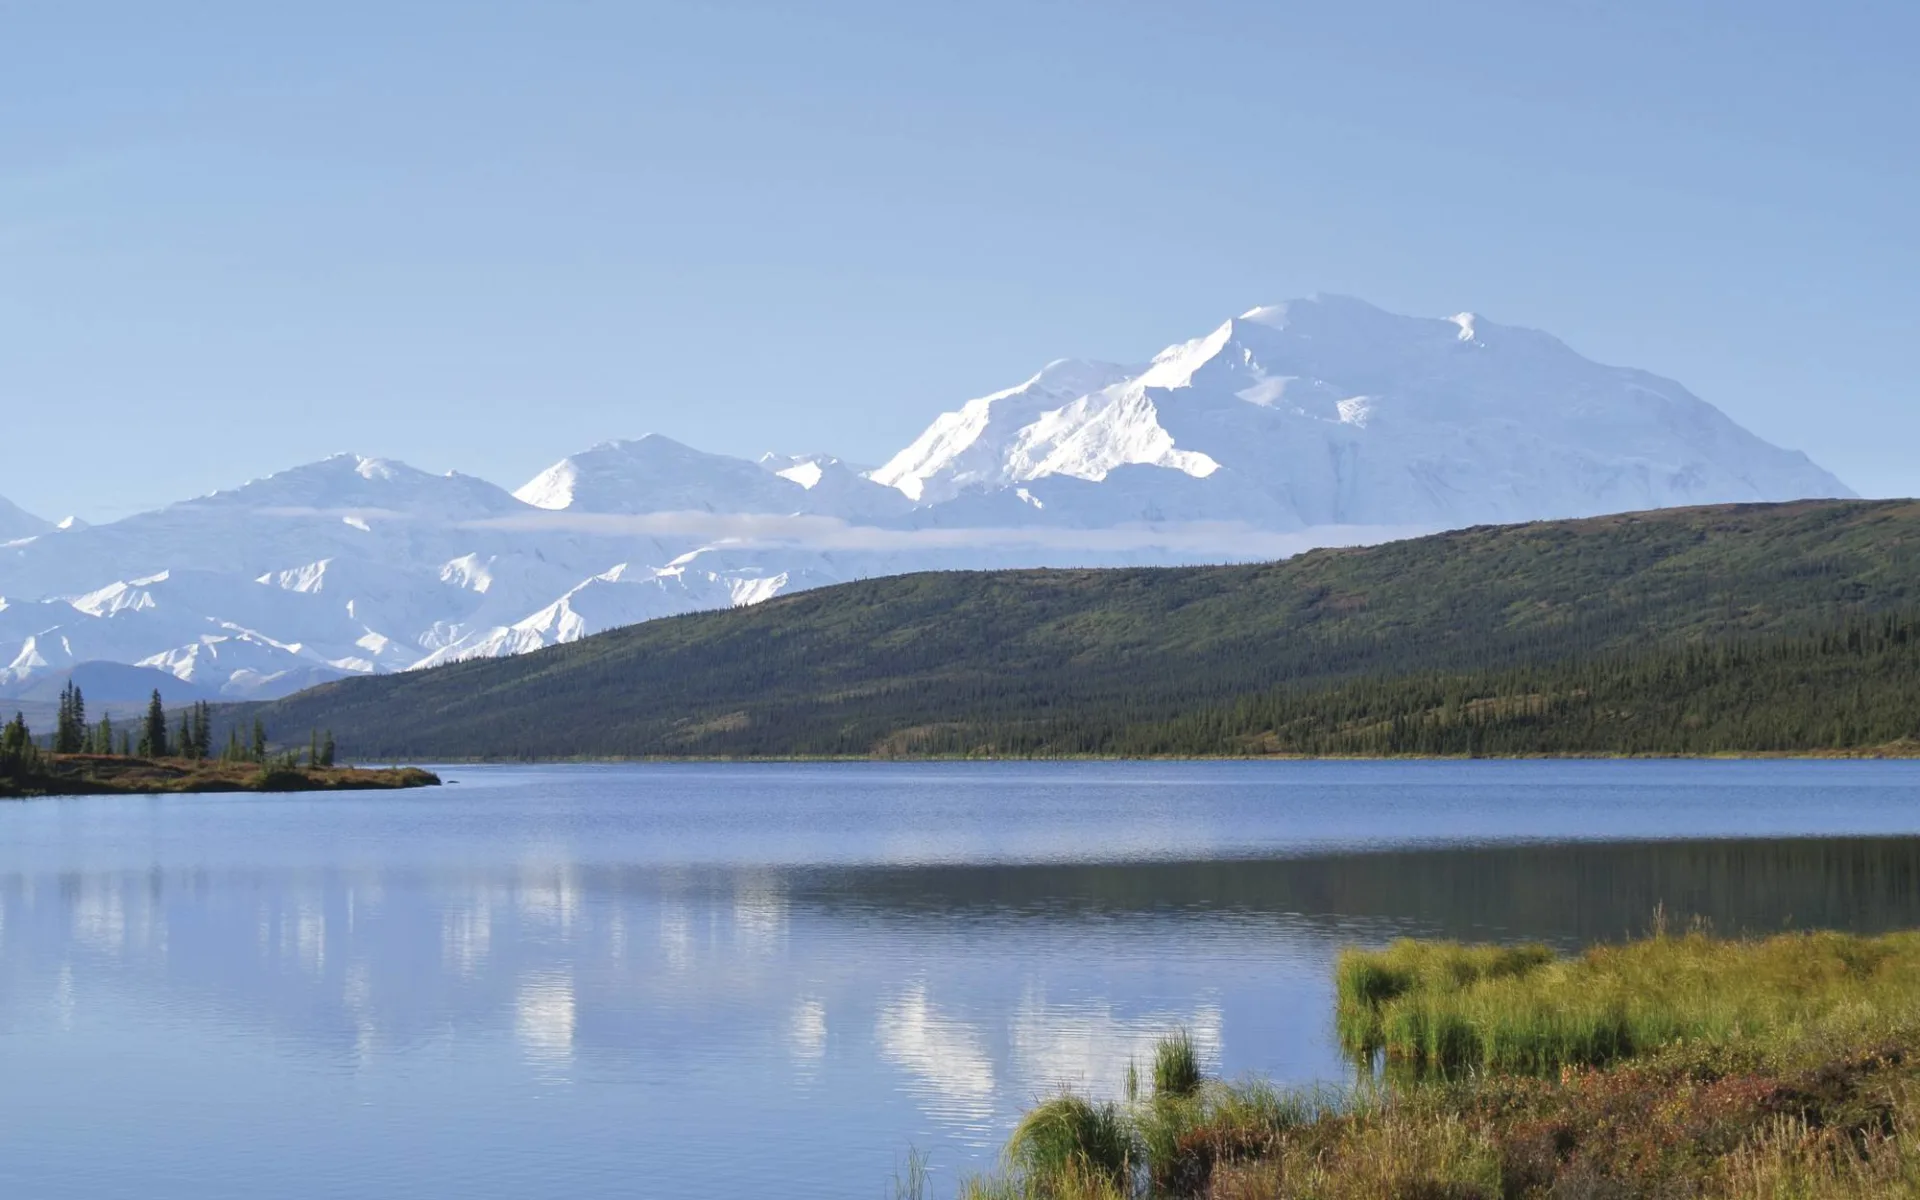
x,y
16,522
1317,422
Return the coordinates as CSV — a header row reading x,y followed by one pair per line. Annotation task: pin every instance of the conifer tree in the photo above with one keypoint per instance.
x,y
233,753
313,747
259,741
153,738
16,746
103,735
326,749
183,738
19,756
70,726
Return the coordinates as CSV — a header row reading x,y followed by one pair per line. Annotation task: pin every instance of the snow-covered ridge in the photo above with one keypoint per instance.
x,y
1311,422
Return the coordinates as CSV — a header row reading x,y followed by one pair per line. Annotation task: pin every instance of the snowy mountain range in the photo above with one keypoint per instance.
x,y
1317,422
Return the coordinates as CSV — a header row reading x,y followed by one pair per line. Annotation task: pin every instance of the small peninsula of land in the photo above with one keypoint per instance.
x,y
99,774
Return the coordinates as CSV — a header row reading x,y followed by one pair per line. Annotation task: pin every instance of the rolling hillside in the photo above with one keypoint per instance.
x,y
1603,634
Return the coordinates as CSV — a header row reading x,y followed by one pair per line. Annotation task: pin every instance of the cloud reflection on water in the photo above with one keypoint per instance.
x,y
964,991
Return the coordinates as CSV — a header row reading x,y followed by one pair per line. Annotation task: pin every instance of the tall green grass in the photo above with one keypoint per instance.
x,y
1176,1066
1368,984
1069,1137
1443,1006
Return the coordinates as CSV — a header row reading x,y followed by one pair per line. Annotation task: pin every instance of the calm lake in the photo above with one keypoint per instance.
x,y
585,981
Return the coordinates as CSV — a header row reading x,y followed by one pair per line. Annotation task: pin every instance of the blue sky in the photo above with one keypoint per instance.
x,y
237,236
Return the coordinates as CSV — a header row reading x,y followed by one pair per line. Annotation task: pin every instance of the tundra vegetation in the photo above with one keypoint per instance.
x,y
1679,1065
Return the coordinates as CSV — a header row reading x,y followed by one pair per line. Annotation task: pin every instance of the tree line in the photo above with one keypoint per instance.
x,y
191,737
1854,686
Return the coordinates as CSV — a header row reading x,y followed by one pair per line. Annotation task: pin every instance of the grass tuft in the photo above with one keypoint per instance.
x,y
1176,1066
1069,1140
912,1185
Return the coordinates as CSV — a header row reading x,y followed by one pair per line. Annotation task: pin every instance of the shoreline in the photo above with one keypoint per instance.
x,y
1900,753
1671,1064
107,775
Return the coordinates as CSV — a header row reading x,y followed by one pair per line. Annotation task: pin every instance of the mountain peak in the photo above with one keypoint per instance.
x,y
654,473
1341,412
370,485
17,522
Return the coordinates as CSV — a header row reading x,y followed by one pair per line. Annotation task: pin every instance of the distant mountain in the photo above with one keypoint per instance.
x,y
1492,628
655,474
17,522
107,684
1318,422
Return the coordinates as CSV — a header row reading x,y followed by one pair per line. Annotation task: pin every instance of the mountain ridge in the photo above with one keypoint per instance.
x,y
1314,422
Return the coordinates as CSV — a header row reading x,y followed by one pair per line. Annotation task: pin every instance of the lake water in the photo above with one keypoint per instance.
x,y
673,981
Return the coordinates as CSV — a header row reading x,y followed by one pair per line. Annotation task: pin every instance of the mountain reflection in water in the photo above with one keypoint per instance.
x,y
1565,894
259,997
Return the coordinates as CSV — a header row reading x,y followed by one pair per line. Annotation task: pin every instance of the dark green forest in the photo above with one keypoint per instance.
x,y
1750,628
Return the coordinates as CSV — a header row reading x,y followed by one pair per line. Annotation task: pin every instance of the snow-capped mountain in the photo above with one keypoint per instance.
x,y
1323,421
1331,411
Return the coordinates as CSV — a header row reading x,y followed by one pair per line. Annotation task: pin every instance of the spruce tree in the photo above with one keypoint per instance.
x,y
103,735
70,726
326,749
233,754
183,739
259,740
16,746
313,747
153,738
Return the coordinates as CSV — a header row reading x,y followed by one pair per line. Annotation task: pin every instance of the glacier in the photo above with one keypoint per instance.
x,y
1323,421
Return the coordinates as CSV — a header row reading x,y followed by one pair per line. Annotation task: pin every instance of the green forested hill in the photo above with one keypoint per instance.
x,y
1754,627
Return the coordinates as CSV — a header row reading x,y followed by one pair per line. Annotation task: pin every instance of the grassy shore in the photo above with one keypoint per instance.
x,y
89,774
1676,1066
